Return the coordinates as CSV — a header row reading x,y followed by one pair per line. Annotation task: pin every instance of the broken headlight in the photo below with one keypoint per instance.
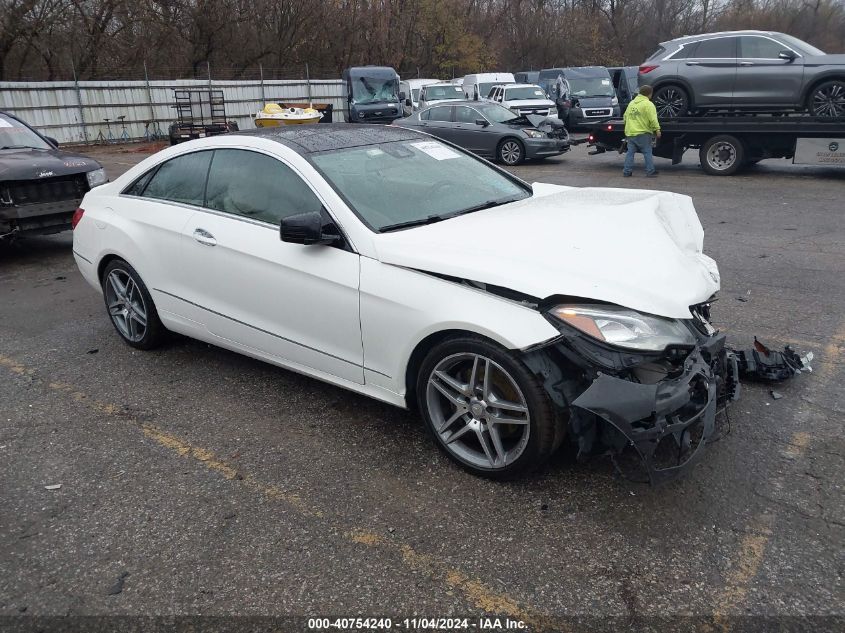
x,y
625,328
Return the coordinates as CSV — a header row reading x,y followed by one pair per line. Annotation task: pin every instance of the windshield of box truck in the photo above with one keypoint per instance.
x,y
374,89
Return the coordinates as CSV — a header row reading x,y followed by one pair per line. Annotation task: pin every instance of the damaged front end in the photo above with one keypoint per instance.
x,y
663,404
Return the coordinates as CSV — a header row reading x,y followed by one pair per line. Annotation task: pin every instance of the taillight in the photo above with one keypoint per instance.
x,y
647,69
77,216
609,128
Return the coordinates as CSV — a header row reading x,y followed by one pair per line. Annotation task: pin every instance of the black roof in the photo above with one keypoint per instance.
x,y
319,137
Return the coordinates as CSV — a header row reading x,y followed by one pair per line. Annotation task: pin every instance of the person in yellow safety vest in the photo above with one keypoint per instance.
x,y
641,126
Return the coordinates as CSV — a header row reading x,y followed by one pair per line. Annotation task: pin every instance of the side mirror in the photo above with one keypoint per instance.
x,y
788,55
408,103
305,228
52,141
482,122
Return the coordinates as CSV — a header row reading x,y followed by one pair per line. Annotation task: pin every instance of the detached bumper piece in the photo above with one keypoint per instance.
x,y
761,363
667,423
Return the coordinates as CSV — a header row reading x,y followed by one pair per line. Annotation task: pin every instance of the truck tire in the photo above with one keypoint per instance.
x,y
722,155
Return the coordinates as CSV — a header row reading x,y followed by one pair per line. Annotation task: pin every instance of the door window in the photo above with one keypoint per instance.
x,y
181,179
443,113
718,48
760,48
463,114
257,186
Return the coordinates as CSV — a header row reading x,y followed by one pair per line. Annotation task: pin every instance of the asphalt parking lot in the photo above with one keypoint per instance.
x,y
196,481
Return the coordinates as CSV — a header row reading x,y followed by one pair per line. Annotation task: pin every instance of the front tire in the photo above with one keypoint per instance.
x,y
671,102
485,409
828,99
130,306
722,155
511,152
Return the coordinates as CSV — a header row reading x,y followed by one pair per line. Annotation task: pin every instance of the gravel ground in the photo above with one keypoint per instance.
x,y
198,482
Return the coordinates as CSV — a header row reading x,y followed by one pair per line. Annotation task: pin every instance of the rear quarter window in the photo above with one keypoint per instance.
x,y
181,179
658,53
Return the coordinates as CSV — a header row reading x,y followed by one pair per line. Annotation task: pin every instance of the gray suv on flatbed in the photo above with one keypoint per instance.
x,y
744,70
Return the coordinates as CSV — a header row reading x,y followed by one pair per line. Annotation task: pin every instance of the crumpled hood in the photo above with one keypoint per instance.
x,y
35,164
638,249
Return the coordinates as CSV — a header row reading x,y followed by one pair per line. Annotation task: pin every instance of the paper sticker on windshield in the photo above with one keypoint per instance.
x,y
538,93
605,82
436,150
374,152
4,123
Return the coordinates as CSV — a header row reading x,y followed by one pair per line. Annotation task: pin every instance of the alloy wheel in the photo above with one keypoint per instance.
x,y
829,100
478,411
511,152
126,305
670,103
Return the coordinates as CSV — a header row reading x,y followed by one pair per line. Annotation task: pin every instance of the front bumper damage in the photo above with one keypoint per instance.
x,y
665,407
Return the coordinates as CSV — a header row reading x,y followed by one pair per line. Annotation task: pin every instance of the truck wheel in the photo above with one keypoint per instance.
x,y
722,155
671,102
828,99
511,152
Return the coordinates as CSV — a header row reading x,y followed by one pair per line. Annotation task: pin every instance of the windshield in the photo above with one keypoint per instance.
x,y
524,93
374,89
495,113
590,86
415,181
14,134
800,45
442,93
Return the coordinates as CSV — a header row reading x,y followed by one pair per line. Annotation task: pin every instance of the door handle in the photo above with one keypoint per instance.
x,y
692,63
746,63
204,237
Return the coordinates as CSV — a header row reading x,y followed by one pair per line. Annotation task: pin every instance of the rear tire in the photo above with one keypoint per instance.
x,y
722,155
130,306
671,102
827,99
485,409
511,152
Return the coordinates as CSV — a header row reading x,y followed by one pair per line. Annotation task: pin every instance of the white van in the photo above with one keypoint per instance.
x,y
478,86
411,88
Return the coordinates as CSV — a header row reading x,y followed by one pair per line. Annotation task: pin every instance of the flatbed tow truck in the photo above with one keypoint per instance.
x,y
728,142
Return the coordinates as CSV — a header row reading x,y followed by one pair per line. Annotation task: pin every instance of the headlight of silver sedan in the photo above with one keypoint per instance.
x,y
623,327
96,178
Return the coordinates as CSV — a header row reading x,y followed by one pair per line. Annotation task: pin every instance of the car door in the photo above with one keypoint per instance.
x,y
287,301
711,71
468,134
153,213
439,122
763,78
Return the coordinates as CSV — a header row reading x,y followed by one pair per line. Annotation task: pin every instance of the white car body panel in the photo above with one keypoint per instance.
x,y
354,317
638,249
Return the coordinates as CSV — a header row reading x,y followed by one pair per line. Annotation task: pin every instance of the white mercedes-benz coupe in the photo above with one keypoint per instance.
x,y
513,316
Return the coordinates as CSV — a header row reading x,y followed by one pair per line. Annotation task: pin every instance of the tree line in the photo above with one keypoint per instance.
x,y
276,39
